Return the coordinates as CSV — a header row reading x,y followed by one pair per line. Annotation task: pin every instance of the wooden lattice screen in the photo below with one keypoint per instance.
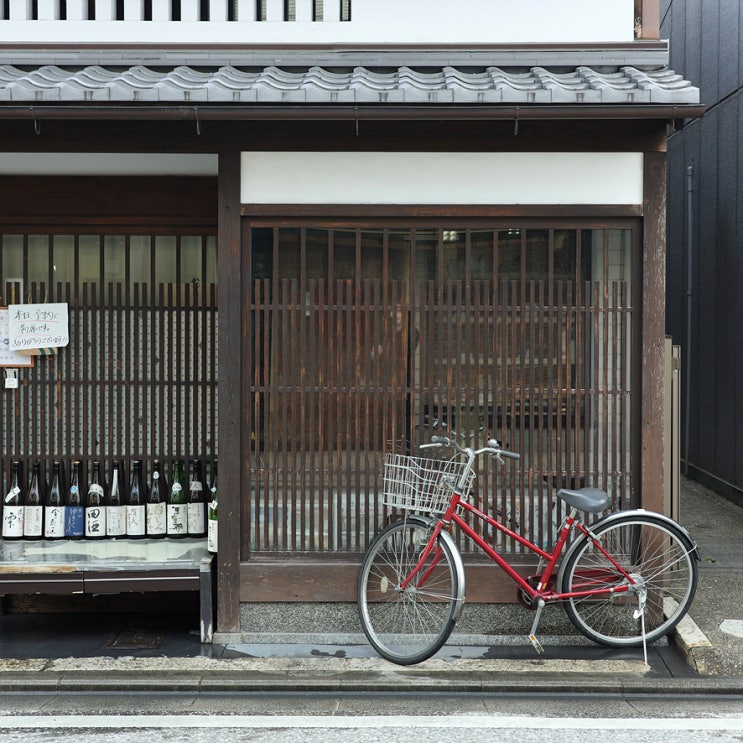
x,y
343,370
138,379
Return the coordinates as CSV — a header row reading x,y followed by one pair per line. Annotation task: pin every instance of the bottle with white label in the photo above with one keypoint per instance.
x,y
136,508
177,511
196,505
116,505
13,510
33,512
95,506
212,527
156,526
54,507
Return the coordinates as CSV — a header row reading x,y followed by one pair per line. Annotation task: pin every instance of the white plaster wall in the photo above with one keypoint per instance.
x,y
372,21
441,178
99,163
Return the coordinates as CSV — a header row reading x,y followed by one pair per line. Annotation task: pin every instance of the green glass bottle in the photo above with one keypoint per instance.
x,y
212,530
177,506
196,507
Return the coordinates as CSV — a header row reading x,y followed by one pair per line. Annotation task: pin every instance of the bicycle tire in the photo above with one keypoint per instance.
x,y
654,551
408,626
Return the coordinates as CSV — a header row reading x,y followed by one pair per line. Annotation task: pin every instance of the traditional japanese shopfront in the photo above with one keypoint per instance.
x,y
296,289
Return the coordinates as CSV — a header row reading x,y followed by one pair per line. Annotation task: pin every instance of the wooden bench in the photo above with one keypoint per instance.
x,y
111,566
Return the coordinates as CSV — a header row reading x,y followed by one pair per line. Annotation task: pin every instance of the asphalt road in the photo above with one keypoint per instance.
x,y
126,718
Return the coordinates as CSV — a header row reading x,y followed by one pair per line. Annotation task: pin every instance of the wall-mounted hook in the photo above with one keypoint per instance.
x,y
37,123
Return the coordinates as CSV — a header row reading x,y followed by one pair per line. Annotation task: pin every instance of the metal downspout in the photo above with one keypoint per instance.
x,y
689,295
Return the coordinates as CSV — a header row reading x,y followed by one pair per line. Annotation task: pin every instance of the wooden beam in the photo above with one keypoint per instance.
x,y
318,579
230,437
58,199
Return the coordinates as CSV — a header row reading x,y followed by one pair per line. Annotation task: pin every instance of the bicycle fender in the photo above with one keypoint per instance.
x,y
459,566
615,517
429,522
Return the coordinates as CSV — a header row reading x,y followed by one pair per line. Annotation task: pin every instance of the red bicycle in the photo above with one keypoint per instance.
x,y
625,580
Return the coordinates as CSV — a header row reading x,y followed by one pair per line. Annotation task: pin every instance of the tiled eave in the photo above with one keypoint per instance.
x,y
316,92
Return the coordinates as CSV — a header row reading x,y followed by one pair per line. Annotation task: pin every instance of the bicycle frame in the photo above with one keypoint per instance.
x,y
541,592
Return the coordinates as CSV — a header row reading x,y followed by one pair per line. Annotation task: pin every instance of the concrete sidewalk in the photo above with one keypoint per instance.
x,y
717,526
711,643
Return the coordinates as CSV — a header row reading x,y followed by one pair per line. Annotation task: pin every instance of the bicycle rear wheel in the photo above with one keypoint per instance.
x,y
408,625
660,558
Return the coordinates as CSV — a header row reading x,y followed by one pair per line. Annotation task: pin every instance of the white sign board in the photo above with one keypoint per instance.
x,y
38,325
9,357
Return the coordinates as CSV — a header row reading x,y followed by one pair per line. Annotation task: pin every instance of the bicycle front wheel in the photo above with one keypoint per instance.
x,y
661,561
407,625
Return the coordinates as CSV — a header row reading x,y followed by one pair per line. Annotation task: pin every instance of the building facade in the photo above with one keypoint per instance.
x,y
297,236
705,236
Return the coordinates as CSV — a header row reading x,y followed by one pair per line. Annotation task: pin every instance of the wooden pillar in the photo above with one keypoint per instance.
x,y
653,332
647,19
230,440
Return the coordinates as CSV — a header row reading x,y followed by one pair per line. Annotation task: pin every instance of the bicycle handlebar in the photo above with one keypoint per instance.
x,y
493,447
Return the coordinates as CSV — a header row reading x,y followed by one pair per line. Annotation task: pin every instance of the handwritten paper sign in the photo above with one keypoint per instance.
x,y
38,325
7,356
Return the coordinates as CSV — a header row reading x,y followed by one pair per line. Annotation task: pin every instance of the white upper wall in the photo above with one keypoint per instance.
x,y
441,178
454,22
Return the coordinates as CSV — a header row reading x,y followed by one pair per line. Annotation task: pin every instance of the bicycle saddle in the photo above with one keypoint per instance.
x,y
591,500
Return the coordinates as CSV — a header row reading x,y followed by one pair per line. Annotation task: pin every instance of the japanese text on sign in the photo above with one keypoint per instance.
x,y
38,325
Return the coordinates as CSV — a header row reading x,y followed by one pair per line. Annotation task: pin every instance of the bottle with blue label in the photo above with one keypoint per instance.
x,y
74,510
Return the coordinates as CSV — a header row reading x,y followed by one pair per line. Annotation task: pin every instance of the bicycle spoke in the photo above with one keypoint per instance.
x,y
658,561
407,625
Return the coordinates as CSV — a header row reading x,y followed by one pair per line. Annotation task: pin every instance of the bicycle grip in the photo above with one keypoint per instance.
x,y
441,440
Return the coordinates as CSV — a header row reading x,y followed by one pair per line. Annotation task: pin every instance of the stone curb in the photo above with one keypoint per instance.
x,y
333,675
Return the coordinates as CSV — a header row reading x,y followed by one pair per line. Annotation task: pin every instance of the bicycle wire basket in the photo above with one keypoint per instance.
x,y
423,485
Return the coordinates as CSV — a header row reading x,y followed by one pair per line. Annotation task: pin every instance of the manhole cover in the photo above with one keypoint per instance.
x,y
137,638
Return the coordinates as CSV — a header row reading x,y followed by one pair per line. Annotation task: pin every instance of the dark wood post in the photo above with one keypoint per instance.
x,y
653,331
230,440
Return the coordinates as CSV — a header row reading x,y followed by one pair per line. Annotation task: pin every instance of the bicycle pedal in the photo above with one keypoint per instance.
x,y
537,645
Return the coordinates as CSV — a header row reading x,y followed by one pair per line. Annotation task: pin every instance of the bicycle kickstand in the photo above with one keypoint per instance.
x,y
533,634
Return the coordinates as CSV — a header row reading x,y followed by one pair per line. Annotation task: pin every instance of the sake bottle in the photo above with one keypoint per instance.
x,y
177,510
13,510
33,512
136,506
116,505
212,530
74,509
95,506
156,526
196,507
54,507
